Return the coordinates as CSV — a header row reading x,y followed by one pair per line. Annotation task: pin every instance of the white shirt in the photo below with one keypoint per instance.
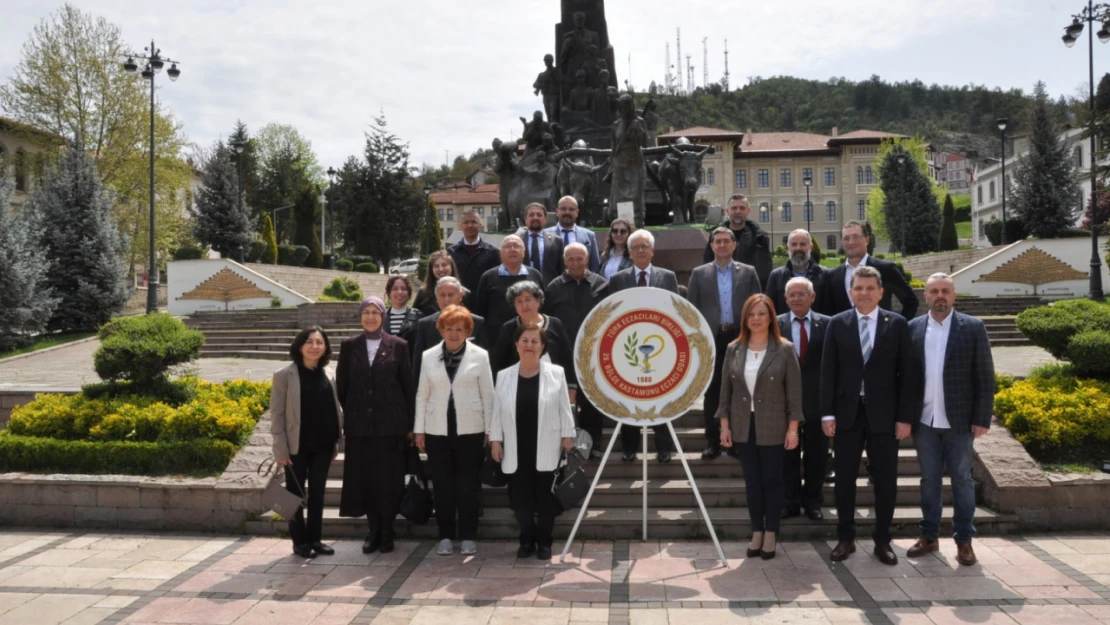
x,y
751,369
850,269
936,346
474,242
872,326
636,274
612,265
372,349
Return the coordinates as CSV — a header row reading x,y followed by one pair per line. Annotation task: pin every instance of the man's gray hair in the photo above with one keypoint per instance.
x,y
798,280
801,231
525,286
722,230
453,282
866,272
642,233
737,197
940,275
576,246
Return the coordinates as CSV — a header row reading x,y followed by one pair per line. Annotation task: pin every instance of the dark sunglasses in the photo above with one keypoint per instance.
x,y
619,231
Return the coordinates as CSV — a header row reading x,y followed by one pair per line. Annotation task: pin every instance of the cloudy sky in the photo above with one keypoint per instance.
x,y
450,76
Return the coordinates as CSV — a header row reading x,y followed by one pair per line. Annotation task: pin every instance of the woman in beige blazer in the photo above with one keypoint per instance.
x,y
454,407
532,420
307,423
760,412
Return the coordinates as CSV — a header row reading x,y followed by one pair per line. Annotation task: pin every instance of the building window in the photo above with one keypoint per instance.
x,y
862,210
980,192
807,172
784,178
482,212
741,179
830,176
764,178
709,177
859,174
982,231
807,211
785,239
830,211
992,190
441,214
786,217
21,170
867,175
764,213
1079,156
450,231
830,242
450,214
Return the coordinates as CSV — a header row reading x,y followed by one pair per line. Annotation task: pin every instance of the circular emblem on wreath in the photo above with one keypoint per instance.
x,y
643,356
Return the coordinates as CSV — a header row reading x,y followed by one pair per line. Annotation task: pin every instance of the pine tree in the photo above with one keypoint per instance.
x,y
1102,215
949,239
218,222
392,213
25,303
270,253
432,239
910,203
83,248
1044,184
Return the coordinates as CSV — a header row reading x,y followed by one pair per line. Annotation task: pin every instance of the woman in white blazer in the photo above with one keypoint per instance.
x,y
454,408
307,423
532,420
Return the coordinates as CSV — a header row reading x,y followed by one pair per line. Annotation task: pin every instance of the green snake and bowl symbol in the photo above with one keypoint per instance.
x,y
634,349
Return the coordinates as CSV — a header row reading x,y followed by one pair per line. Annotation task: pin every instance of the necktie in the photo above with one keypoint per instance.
x,y
472,249
643,279
864,338
536,252
803,340
566,236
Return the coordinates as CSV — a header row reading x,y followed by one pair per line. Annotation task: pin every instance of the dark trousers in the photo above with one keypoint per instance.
x,y
882,453
590,419
533,506
808,459
310,467
455,463
713,392
630,438
763,480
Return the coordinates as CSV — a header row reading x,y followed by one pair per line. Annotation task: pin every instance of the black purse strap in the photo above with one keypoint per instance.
x,y
270,467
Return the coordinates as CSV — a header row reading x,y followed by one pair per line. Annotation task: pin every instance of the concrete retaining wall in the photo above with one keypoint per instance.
x,y
947,262
311,282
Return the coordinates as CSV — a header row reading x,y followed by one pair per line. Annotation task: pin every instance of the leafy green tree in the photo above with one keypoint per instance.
x,y
1045,188
432,239
949,239
247,163
907,200
306,215
270,254
85,256
26,304
218,221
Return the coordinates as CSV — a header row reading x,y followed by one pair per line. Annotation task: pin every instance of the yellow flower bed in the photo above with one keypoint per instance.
x,y
1057,415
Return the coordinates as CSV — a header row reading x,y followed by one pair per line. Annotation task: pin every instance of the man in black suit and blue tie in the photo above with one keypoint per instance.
x,y
838,298
806,330
954,352
868,392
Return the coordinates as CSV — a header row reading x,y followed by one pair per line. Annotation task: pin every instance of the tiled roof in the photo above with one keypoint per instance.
x,y
783,142
487,188
868,134
466,197
702,131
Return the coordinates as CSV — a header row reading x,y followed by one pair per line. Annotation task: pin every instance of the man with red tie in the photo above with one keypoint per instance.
x,y
806,330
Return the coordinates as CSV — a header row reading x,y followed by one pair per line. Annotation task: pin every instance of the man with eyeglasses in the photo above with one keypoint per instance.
x,y
489,299
753,246
570,232
855,241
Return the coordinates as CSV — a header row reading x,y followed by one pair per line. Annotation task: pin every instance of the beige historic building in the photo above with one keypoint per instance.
x,y
23,155
452,202
770,169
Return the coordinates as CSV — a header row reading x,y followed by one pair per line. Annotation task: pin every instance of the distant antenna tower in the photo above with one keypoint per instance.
x,y
689,76
705,62
628,81
725,81
678,59
667,70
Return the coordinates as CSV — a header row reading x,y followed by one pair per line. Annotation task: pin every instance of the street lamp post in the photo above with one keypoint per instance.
x,y
902,200
1002,122
238,146
331,204
154,64
424,218
807,181
1091,13
273,213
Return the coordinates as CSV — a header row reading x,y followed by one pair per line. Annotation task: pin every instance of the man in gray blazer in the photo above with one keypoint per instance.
x,y
570,232
954,352
641,246
719,290
543,250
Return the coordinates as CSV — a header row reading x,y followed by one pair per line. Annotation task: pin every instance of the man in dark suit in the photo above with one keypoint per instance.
x,y
806,329
472,255
449,292
719,290
489,300
868,392
954,352
799,244
753,246
570,232
543,250
641,246
855,241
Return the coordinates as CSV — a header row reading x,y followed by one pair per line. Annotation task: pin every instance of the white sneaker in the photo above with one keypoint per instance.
x,y
446,547
469,547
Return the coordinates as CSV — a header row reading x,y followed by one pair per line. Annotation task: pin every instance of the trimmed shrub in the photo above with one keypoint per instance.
x,y
1089,352
1052,327
188,252
142,349
172,392
366,268
47,455
292,255
345,264
815,254
255,251
1002,381
781,251
343,290
1058,416
1015,227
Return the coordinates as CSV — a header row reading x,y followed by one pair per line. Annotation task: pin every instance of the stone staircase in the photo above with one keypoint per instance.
x,y
616,508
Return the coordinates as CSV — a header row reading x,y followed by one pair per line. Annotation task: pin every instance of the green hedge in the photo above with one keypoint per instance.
x,y
142,348
345,264
342,289
188,252
48,455
1052,327
366,268
1089,352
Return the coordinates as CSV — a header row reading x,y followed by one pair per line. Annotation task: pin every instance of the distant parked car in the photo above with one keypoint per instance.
x,y
407,267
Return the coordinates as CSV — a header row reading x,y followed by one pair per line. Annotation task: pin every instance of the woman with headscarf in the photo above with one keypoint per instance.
x,y
374,382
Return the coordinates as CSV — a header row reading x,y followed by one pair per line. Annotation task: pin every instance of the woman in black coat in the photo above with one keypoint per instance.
x,y
527,298
374,381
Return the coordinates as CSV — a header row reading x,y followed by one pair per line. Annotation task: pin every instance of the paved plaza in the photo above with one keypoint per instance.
x,y
86,578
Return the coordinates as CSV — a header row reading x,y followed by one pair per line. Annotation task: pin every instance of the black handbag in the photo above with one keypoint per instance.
x,y
416,502
570,485
491,473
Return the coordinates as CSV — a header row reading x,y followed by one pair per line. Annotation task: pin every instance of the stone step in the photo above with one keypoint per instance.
x,y
1010,342
676,493
246,353
626,523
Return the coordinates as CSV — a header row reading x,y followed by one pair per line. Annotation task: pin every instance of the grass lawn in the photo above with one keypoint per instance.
x,y
48,341
1070,467
963,229
961,201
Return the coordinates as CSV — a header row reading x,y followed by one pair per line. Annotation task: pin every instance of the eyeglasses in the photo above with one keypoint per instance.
x,y
512,246
853,237
640,248
619,231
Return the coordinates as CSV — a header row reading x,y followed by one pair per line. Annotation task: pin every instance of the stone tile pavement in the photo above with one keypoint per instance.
x,y
88,578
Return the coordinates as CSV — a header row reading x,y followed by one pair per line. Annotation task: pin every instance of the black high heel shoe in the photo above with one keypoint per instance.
x,y
768,555
753,553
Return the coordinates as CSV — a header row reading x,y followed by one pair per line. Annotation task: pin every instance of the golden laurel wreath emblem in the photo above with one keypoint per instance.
x,y
590,337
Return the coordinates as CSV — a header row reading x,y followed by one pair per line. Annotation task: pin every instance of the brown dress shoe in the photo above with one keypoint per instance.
x,y
885,554
842,550
922,547
965,555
